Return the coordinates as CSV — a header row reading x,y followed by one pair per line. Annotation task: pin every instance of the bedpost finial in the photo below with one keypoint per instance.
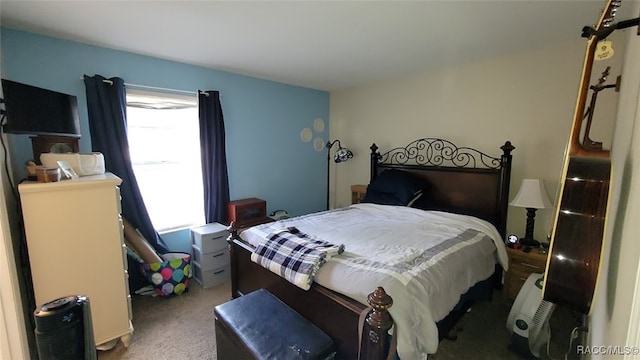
x,y
233,231
507,148
373,148
379,299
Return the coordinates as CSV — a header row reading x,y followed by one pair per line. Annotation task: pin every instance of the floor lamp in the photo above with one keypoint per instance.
x,y
341,155
532,197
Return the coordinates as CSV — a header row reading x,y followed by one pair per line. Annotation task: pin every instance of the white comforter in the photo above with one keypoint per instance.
x,y
424,259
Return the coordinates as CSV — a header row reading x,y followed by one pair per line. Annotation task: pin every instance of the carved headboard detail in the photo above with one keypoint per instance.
x,y
460,179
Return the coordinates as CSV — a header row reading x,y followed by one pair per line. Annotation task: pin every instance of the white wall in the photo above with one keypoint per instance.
x,y
616,297
527,98
13,338
13,341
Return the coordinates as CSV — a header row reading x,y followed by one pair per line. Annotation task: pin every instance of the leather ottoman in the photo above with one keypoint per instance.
x,y
260,326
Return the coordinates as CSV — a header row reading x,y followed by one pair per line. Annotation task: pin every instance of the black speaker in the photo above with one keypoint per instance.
x,y
64,330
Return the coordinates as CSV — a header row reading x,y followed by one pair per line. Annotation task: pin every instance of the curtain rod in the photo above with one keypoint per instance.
x,y
162,89
107,81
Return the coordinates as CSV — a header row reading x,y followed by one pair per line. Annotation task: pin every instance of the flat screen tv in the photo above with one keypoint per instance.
x,y
38,111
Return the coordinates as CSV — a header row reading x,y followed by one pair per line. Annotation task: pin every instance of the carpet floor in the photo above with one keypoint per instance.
x,y
183,328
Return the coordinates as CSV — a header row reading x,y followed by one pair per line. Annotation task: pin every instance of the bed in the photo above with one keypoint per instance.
x,y
460,207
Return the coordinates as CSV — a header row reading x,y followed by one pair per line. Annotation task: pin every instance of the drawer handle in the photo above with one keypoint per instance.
x,y
218,272
530,266
218,255
216,238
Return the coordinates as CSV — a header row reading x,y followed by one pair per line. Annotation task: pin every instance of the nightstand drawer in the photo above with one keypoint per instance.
x,y
516,280
521,265
515,283
527,265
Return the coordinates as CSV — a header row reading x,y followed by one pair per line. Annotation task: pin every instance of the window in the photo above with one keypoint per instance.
x,y
164,143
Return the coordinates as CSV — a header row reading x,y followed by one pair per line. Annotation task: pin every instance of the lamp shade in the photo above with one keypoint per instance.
x,y
532,195
342,155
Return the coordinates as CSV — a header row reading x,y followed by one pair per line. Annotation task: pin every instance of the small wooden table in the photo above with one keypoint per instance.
x,y
521,265
357,193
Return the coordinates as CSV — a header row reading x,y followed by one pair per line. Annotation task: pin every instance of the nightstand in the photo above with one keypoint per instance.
x,y
357,193
521,265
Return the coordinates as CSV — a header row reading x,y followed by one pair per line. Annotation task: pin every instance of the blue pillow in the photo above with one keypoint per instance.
x,y
394,187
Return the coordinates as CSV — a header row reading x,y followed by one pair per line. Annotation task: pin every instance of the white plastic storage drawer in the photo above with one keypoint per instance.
x,y
212,260
210,237
211,278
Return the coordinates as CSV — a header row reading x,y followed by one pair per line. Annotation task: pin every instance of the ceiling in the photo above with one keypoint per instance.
x,y
325,45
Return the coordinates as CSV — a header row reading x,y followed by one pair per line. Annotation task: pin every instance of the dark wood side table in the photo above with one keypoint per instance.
x,y
521,265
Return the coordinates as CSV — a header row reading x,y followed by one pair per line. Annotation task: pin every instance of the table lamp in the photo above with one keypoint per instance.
x,y
532,197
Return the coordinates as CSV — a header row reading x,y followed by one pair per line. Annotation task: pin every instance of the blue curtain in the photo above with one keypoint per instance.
x,y
214,159
107,106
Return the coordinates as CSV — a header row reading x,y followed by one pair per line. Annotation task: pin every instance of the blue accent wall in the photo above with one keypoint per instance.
x,y
265,154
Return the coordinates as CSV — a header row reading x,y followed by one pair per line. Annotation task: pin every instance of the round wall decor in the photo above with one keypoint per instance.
x,y
318,125
306,135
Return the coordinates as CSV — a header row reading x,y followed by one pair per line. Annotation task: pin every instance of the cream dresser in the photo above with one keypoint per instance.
x,y
76,247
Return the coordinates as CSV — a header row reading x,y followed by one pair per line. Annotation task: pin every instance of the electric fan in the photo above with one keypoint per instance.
x,y
529,319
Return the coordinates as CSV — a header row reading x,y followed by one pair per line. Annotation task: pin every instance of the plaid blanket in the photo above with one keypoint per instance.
x,y
294,255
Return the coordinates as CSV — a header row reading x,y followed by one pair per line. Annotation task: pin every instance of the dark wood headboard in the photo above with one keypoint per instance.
x,y
460,179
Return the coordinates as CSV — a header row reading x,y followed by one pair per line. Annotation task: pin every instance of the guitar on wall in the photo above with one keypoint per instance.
x,y
577,238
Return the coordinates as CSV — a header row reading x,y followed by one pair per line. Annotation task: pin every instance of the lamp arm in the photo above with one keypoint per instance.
x,y
328,146
331,143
